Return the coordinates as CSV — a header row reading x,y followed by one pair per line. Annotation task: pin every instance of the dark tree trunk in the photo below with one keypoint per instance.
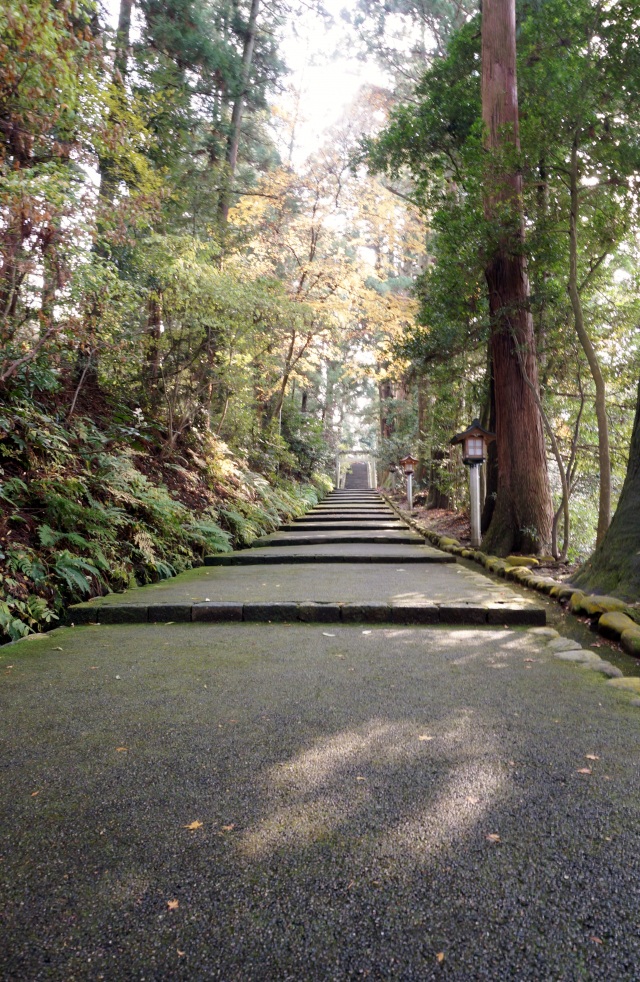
x,y
615,565
491,466
238,111
522,517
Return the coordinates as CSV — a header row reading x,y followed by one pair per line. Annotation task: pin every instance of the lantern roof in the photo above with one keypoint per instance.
x,y
409,459
476,429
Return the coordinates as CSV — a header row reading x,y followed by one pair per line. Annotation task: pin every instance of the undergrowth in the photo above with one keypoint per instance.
x,y
87,510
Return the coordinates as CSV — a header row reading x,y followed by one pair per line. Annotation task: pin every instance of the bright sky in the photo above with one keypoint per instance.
x,y
328,83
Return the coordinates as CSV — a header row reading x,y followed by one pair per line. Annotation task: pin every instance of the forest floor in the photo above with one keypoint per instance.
x,y
456,523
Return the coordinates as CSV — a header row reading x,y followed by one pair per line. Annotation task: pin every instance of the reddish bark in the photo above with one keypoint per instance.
x,y
522,517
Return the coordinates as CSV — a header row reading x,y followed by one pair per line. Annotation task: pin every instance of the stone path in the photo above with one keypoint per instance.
x,y
310,801
392,576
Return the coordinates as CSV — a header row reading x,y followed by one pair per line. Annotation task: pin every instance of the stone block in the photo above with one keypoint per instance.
x,y
82,614
408,612
522,561
319,613
212,611
366,612
630,640
217,561
514,614
613,624
462,613
628,683
266,611
564,644
169,612
123,614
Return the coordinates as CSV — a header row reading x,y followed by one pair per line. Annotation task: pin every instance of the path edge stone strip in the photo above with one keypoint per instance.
x,y
612,617
265,612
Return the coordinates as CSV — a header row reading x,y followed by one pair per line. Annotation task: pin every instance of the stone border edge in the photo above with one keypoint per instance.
x,y
371,612
609,615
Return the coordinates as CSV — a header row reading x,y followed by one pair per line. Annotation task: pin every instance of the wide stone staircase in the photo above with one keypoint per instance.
x,y
351,558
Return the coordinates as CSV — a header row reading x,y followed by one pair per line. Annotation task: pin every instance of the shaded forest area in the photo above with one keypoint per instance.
x,y
194,323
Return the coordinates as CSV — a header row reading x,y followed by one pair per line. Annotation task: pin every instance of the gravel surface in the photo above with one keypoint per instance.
x,y
255,802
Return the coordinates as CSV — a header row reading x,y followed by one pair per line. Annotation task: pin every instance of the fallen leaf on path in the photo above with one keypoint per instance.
x,y
597,940
121,750
425,736
172,904
193,826
181,953
34,793
591,757
440,957
228,828
361,778
529,659
583,770
472,800
492,837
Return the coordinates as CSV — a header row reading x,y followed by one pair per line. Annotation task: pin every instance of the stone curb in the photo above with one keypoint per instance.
x,y
610,616
247,559
369,612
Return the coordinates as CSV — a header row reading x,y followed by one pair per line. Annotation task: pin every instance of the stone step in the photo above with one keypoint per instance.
x,y
346,552
307,538
364,612
346,526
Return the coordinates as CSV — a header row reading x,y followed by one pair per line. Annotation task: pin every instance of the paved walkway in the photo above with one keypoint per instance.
x,y
297,801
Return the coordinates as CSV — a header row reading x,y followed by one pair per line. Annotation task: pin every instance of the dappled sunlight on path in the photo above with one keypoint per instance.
x,y
346,775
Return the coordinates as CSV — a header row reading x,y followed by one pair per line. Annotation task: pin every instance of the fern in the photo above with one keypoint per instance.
x,y
10,625
209,535
12,491
71,570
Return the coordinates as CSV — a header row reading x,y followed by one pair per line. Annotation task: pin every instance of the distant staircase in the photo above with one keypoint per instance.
x,y
357,478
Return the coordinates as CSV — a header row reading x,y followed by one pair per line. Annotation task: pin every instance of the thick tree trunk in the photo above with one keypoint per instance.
x,y
522,516
604,454
615,565
491,467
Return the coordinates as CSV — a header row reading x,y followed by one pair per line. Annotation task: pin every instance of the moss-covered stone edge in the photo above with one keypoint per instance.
x,y
612,617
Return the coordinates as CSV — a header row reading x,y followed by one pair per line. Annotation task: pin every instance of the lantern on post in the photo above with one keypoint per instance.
x,y
408,464
475,440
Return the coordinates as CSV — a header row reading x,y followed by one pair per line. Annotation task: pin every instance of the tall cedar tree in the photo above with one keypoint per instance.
x,y
523,514
615,565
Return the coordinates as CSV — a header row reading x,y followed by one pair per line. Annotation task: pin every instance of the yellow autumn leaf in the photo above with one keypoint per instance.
x,y
583,770
440,957
492,837
193,826
172,904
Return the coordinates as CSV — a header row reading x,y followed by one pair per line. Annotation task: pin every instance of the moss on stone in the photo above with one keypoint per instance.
x,y
630,640
614,623
522,561
631,683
